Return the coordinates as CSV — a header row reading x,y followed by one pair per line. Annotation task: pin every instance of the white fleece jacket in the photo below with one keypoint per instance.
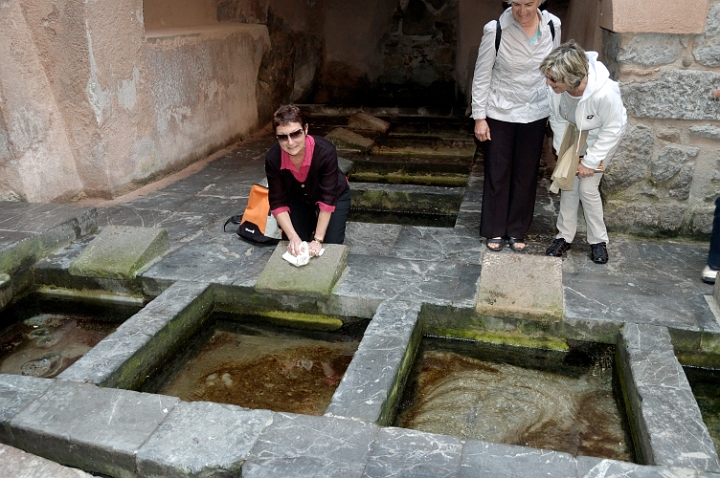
x,y
600,110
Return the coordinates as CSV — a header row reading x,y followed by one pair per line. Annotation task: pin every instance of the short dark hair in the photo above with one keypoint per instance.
x,y
287,114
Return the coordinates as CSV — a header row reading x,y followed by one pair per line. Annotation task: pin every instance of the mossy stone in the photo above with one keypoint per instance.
x,y
119,252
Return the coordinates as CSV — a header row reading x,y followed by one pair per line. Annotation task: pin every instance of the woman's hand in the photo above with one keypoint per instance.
x,y
584,172
314,248
482,130
293,246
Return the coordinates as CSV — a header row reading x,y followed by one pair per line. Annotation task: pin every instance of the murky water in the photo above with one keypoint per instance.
x,y
403,218
44,338
561,402
260,368
705,384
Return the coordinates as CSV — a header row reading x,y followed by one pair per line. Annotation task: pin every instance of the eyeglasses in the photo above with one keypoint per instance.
x,y
295,135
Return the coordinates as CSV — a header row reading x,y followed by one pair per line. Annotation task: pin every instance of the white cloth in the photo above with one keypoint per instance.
x,y
600,112
511,87
303,258
587,192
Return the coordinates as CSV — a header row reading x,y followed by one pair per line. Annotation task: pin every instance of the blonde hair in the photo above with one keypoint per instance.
x,y
567,64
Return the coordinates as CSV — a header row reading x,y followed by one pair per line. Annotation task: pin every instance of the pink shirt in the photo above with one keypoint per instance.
x,y
300,174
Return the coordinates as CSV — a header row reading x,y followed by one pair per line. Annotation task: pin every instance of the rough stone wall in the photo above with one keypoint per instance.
x,y
666,174
92,104
290,68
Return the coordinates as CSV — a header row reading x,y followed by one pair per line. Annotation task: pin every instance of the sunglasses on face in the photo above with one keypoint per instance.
x,y
295,135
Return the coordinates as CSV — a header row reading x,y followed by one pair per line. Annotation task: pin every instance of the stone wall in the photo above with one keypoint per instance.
x,y
666,175
94,103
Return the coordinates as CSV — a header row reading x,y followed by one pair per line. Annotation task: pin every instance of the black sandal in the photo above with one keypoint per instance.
x,y
515,243
500,242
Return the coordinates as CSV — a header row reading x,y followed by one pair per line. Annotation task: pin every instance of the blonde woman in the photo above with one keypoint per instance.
x,y
586,104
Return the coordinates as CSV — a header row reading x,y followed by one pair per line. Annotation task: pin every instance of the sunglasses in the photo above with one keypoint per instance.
x,y
295,135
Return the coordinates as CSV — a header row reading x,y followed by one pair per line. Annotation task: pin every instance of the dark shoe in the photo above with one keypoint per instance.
x,y
709,275
557,248
599,253
495,244
516,245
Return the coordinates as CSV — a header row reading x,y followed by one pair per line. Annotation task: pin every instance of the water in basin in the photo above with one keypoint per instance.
x,y
705,384
560,401
259,366
41,338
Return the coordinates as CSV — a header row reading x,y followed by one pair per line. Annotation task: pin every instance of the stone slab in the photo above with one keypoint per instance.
x,y
433,456
18,464
373,383
219,262
480,458
364,121
31,233
297,446
521,286
414,198
95,429
668,424
349,140
16,393
143,340
119,252
202,439
317,277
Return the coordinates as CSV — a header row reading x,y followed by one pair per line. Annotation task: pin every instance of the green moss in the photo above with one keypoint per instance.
x,y
302,321
506,338
401,177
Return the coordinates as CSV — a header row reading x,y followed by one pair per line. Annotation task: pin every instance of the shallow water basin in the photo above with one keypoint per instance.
x,y
41,338
705,384
258,366
560,401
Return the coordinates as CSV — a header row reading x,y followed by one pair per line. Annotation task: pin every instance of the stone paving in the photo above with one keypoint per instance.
x,y
409,280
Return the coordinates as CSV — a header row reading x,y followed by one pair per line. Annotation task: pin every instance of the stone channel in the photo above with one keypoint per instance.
x,y
409,281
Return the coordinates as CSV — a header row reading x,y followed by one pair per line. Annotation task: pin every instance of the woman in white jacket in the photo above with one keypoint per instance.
x,y
586,104
510,109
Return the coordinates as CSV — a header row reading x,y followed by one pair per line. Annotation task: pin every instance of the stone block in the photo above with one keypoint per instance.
x,y
673,96
119,252
317,277
18,464
348,140
668,425
481,458
521,286
364,121
345,165
433,455
202,439
297,446
143,340
16,393
96,429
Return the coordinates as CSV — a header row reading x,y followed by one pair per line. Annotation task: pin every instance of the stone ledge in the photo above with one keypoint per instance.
x,y
143,340
669,427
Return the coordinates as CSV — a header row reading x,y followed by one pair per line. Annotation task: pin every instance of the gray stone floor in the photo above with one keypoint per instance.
x,y
649,296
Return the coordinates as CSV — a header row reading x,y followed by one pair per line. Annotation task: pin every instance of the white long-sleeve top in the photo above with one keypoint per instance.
x,y
600,110
511,87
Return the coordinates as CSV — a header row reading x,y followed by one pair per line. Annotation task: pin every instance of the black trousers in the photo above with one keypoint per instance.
x,y
512,161
304,219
